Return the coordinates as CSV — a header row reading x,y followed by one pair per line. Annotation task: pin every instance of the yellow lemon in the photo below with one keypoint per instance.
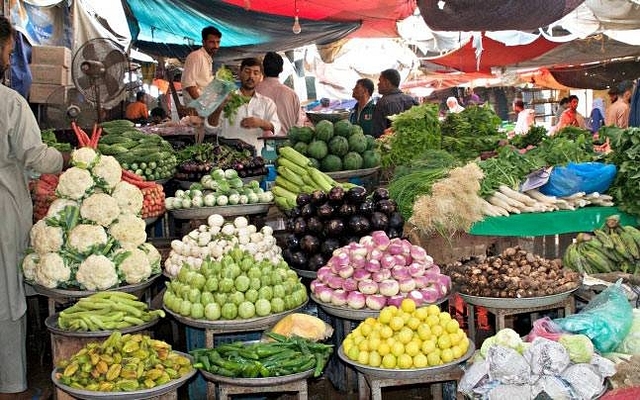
x,y
464,344
363,357
405,361
385,315
389,361
390,341
393,309
386,332
421,313
405,316
428,346
444,317
433,320
412,348
375,359
396,323
452,326
363,345
456,337
413,323
437,330
370,321
397,348
365,329
384,349
446,355
444,342
433,309
408,305
405,335
434,359
374,343
457,352
420,361
424,331
353,353
358,340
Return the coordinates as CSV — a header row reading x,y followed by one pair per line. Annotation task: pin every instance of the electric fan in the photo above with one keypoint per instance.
x,y
65,105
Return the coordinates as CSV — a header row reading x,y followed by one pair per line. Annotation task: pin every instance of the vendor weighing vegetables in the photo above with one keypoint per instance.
x,y
251,118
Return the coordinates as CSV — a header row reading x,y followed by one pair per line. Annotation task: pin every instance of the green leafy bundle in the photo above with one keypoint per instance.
x,y
625,144
471,132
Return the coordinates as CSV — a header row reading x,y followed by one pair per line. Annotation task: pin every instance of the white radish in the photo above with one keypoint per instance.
x,y
522,198
536,194
510,201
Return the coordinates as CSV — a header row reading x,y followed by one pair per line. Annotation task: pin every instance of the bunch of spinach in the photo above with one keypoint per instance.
x,y
625,154
471,132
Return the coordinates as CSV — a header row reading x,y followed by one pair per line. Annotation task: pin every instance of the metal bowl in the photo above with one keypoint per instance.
x,y
523,302
257,382
332,116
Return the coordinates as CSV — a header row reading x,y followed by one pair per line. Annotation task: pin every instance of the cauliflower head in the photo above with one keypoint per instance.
x,y
97,273
51,271
154,257
84,157
44,238
129,230
107,171
129,198
58,206
100,208
75,183
84,236
135,268
29,266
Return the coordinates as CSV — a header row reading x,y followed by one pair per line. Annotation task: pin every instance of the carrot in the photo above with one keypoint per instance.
x,y
95,136
83,138
131,175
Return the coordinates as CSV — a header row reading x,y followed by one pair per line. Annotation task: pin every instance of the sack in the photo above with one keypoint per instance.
x,y
212,96
585,177
606,320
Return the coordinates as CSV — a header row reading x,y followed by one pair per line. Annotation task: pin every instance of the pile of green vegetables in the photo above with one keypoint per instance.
x,y
625,144
235,99
49,138
471,132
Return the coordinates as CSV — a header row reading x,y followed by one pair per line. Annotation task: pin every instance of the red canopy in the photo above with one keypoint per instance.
x,y
494,54
378,17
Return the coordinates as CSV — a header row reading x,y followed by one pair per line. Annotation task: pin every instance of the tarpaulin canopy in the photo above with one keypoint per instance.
x,y
172,28
598,76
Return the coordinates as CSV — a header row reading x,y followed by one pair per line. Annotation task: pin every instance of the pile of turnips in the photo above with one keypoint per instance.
x,y
379,271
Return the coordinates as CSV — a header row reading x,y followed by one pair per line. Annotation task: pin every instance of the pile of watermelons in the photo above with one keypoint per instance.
x,y
337,146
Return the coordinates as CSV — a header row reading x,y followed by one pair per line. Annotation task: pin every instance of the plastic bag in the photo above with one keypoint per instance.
x,y
606,320
631,343
586,177
546,328
212,96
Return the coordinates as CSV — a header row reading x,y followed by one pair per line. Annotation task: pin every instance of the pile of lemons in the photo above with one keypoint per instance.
x,y
406,338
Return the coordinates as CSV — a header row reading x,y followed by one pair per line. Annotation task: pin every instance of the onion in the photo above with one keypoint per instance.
x,y
325,294
443,284
416,269
323,273
380,239
356,300
407,285
418,253
339,297
389,287
430,294
367,241
360,274
416,296
367,286
345,271
431,276
350,284
316,285
334,282
395,246
381,275
375,254
421,281
356,249
434,267
387,261
358,260
376,301
395,300
372,266
400,260
400,272
406,247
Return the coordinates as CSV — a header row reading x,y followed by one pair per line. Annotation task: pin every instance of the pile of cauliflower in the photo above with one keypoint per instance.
x,y
92,237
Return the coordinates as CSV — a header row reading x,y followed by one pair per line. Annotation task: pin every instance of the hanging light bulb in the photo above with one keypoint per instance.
x,y
296,28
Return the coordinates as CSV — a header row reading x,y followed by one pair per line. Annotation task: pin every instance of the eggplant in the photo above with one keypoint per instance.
x,y
314,225
394,233
325,211
299,226
294,212
336,195
299,260
329,245
346,210
287,255
316,261
310,244
386,206
308,210
356,195
380,193
318,197
379,221
292,241
334,227
303,199
366,208
396,220
359,225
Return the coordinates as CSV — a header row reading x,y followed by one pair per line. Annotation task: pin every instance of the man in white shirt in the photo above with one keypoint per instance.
x,y
525,118
198,66
257,118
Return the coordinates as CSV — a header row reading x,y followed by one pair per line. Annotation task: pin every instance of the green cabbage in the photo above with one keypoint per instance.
x,y
631,343
579,346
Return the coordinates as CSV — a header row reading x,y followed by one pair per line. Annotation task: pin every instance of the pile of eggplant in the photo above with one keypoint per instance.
x,y
322,222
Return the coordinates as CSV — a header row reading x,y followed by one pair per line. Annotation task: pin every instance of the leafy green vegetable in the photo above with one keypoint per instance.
x,y
49,138
234,102
625,145
471,132
579,347
533,137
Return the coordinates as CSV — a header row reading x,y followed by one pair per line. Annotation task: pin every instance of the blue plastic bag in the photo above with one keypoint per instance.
x,y
585,177
606,320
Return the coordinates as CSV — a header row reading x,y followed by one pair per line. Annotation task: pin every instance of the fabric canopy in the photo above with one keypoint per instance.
x,y
599,76
172,28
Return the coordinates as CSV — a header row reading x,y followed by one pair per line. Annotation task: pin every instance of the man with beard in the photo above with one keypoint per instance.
x,y
198,66
362,112
393,101
21,150
257,117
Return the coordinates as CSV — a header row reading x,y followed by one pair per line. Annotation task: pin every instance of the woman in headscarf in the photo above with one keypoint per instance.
x,y
596,118
454,106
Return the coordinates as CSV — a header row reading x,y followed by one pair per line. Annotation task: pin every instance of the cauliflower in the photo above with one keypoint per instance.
x,y
100,208
75,183
58,206
84,236
108,169
129,198
84,157
44,238
129,230
135,268
51,271
153,255
97,273
29,266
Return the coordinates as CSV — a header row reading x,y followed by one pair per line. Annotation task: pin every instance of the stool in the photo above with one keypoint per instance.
x,y
370,387
567,305
299,386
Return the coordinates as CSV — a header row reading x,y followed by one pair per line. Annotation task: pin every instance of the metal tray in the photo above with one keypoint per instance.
x,y
257,382
523,302
151,220
415,373
187,184
352,314
71,293
133,395
234,325
225,211
51,322
306,274
353,173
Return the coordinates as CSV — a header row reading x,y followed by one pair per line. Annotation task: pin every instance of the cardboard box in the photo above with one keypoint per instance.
x,y
51,74
40,93
51,55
